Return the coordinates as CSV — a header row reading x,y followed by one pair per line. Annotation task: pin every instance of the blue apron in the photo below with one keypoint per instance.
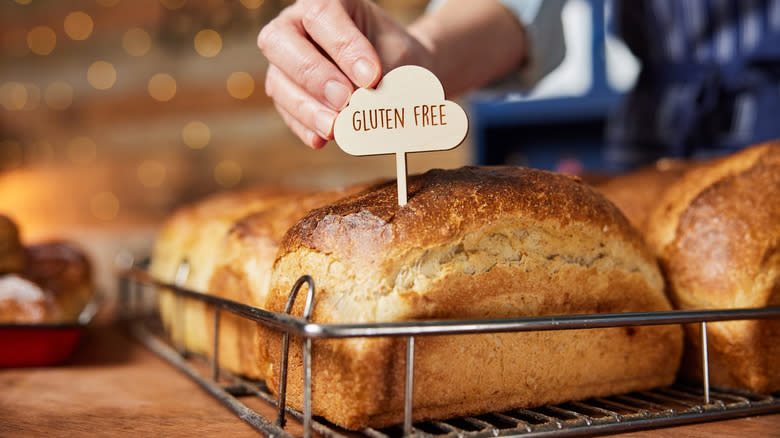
x,y
709,84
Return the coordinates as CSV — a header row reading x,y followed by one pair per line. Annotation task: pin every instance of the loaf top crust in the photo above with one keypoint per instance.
x,y
370,227
717,231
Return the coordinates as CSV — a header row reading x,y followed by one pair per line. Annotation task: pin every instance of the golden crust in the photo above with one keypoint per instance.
x,y
472,243
637,192
717,236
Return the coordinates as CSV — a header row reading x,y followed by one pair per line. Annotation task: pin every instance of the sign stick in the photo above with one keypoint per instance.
x,y
400,170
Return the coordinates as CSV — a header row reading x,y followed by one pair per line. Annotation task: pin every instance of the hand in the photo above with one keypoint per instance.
x,y
319,50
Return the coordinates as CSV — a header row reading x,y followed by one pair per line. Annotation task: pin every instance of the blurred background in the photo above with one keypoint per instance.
x,y
115,112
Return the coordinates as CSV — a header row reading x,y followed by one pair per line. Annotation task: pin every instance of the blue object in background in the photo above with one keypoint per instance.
x,y
557,133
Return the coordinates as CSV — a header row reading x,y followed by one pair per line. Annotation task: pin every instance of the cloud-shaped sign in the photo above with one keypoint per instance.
x,y
406,112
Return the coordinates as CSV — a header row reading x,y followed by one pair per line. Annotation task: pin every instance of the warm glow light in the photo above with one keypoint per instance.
x,y
58,95
173,4
23,2
104,206
33,96
240,85
101,75
162,87
151,173
10,154
108,3
252,4
208,43
227,173
196,134
82,150
78,25
41,40
13,96
136,42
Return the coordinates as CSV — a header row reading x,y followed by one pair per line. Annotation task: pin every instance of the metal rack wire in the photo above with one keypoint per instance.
x,y
678,404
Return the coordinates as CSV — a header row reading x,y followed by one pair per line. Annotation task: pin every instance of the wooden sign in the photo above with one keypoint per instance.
x,y
406,112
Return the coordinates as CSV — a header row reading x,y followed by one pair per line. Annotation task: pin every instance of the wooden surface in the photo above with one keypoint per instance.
x,y
116,387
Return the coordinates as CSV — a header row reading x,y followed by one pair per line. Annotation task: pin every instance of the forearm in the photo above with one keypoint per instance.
x,y
471,43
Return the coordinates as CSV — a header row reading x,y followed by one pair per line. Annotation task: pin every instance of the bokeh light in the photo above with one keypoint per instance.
x,y
173,4
162,87
196,134
58,95
104,206
208,43
82,150
136,42
33,96
227,173
151,173
252,4
23,2
78,25
41,40
240,85
101,75
13,96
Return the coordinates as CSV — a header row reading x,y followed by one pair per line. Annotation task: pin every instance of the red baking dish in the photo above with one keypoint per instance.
x,y
31,345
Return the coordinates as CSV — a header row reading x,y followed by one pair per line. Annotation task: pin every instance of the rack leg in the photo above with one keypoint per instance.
x,y
705,362
215,351
282,401
307,388
409,386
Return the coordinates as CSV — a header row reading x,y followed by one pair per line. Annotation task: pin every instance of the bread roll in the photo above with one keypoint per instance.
x,y
12,257
472,243
24,302
64,272
717,236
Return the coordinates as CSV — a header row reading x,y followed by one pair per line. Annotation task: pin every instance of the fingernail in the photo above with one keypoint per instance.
x,y
324,122
364,72
337,94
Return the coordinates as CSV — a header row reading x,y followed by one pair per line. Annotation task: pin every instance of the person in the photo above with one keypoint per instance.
x,y
709,82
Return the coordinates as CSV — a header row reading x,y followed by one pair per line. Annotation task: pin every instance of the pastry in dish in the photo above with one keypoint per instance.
x,y
472,243
717,235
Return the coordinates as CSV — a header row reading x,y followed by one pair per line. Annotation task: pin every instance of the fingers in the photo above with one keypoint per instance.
x,y
294,54
307,117
333,29
311,139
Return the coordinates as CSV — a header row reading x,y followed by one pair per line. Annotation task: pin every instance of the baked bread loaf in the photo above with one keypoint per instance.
x,y
12,257
472,243
246,258
636,193
717,235
193,234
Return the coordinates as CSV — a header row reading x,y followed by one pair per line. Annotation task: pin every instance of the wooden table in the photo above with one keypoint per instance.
x,y
114,386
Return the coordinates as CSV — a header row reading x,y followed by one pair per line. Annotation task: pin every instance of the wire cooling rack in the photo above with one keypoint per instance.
x,y
678,404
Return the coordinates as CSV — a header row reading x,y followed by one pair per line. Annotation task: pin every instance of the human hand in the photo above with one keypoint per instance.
x,y
319,50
